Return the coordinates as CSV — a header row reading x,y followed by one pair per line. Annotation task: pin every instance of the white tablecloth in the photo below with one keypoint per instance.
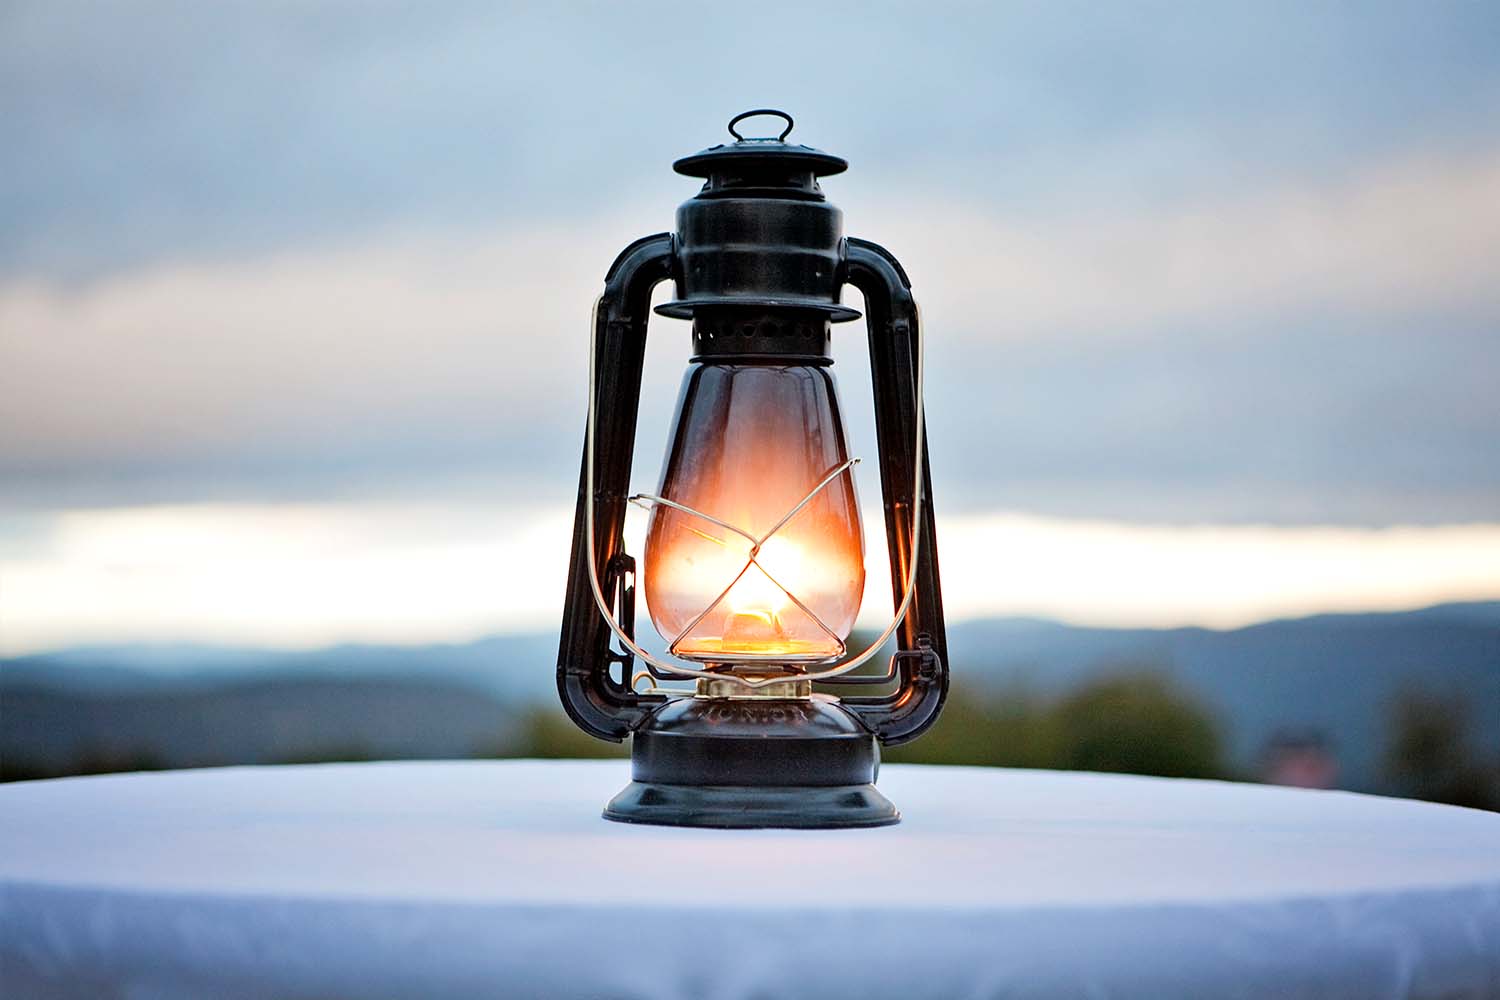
x,y
500,879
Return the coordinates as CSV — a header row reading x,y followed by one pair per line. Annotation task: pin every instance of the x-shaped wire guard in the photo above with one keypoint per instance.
x,y
645,500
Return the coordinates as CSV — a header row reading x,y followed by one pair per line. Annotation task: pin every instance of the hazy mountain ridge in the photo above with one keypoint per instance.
x,y
271,720
123,669
1334,674
1331,674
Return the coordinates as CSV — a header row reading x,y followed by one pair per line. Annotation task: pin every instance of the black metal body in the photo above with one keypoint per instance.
x,y
753,762
758,262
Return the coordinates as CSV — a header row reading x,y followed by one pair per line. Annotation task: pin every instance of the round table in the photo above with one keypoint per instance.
x,y
483,879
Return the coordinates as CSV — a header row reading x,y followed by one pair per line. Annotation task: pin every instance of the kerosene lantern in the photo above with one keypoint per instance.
x,y
754,554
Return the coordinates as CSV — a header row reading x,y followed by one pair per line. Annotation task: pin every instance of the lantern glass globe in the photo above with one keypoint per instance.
x,y
746,583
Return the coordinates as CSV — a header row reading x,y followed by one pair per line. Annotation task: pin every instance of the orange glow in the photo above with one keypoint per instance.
x,y
751,442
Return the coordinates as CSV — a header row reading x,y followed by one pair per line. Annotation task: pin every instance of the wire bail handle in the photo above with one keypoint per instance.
x,y
755,114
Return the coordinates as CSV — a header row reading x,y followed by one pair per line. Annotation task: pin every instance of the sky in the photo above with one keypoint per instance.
x,y
294,298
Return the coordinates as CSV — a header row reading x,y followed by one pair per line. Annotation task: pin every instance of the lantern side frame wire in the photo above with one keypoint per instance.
x,y
674,668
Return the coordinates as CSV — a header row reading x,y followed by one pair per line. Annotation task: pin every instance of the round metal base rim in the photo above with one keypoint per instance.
x,y
684,308
747,807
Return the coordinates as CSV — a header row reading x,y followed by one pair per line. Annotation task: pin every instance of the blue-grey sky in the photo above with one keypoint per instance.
x,y
1180,262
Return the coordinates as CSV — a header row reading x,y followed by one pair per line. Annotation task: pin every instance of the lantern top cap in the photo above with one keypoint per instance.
x,y
760,153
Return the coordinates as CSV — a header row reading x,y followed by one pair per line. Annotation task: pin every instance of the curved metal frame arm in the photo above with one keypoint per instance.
x,y
922,659
599,704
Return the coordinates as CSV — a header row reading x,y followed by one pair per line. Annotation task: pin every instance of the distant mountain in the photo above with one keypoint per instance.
x,y
46,731
1334,674
512,668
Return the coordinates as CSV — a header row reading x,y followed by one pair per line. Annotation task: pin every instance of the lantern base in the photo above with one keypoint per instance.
x,y
753,762
731,807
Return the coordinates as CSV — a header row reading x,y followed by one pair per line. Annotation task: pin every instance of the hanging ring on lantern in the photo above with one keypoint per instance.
x,y
755,114
750,682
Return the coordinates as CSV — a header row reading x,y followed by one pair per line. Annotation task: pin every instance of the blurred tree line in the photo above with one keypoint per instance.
x,y
1134,720
1432,753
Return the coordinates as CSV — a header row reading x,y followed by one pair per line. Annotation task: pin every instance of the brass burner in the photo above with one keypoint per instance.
x,y
728,687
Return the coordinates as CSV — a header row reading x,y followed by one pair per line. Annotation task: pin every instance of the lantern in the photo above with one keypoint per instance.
x,y
753,565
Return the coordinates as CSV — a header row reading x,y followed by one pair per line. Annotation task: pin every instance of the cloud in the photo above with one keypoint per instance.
x,y
307,575
1310,353
1108,573
1402,238
283,575
145,134
390,347
1207,264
